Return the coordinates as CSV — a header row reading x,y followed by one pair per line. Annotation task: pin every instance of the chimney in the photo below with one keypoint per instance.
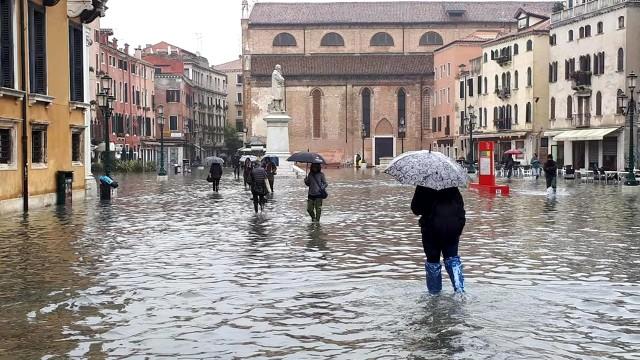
x,y
114,42
126,48
138,53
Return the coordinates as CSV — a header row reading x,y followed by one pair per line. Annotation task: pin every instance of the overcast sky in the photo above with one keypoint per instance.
x,y
182,23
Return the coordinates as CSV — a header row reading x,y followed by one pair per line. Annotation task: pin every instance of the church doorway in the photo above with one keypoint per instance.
x,y
383,143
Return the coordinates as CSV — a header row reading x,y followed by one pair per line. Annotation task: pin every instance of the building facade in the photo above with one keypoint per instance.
x,y
593,47
235,96
43,110
131,126
359,75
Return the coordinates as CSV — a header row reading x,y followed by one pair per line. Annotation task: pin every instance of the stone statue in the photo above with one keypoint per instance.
x,y
277,88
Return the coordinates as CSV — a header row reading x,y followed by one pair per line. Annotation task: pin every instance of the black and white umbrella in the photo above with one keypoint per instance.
x,y
429,169
307,158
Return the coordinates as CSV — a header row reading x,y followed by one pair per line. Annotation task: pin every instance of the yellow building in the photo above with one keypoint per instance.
x,y
44,98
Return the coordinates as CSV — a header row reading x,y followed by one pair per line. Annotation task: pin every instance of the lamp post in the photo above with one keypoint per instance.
x,y
105,103
630,107
464,74
471,125
402,131
160,120
363,133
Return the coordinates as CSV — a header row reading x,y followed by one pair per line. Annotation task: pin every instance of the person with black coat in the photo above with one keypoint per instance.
x,y
442,220
257,181
215,172
551,172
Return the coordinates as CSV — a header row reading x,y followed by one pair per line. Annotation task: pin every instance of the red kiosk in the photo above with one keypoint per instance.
x,y
486,174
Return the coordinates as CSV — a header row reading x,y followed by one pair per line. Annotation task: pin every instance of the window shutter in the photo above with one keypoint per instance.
x,y
76,56
6,44
37,50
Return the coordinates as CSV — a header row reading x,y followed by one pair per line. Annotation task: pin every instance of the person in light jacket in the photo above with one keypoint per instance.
x,y
317,184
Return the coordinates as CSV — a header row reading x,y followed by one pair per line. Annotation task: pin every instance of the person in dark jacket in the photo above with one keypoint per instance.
x,y
247,167
551,172
257,180
317,184
442,220
216,174
508,165
271,170
235,162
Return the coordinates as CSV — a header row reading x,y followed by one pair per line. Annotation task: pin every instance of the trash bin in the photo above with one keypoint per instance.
x,y
64,187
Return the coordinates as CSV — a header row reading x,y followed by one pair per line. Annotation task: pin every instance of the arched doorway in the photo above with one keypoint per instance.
x,y
383,144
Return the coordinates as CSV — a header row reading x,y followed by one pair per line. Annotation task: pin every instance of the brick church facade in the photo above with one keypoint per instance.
x,y
358,75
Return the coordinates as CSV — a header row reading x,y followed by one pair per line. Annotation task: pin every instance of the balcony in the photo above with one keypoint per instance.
x,y
582,82
502,124
504,93
503,60
586,8
581,120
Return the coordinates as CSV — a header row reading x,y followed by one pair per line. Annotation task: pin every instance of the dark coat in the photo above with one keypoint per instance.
x,y
256,179
216,171
441,211
508,162
550,169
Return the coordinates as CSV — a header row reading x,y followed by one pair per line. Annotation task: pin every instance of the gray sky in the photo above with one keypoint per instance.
x,y
141,22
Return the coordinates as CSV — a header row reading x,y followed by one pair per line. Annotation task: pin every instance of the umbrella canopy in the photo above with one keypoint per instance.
x,y
251,158
430,169
513,152
274,159
213,160
307,157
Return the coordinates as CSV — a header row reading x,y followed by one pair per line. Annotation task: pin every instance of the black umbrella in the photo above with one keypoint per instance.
x,y
307,157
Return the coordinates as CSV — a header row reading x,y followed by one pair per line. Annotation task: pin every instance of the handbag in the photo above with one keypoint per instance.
x,y
209,178
323,193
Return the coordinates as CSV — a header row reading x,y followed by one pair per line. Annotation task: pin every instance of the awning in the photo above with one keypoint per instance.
x,y
552,133
502,134
584,135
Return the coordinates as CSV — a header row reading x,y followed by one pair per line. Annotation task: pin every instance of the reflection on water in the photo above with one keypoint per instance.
x,y
170,269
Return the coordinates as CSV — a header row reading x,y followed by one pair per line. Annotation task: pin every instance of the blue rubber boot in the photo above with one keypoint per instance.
x,y
454,269
434,277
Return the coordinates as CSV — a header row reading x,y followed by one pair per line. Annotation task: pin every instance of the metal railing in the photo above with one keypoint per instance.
x,y
503,124
581,79
585,8
581,120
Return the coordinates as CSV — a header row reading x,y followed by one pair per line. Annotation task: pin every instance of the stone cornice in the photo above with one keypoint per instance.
x,y
86,10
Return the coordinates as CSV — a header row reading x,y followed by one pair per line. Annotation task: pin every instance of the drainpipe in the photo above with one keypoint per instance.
x,y
25,108
346,113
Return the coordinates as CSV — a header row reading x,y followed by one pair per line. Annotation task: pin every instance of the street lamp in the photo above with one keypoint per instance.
x,y
402,131
363,133
471,125
630,113
160,120
105,103
464,74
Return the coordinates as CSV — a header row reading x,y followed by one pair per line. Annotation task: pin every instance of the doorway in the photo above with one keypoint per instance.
x,y
384,148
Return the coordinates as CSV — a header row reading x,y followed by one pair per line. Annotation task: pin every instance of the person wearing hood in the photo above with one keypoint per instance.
x,y
442,220
215,172
317,184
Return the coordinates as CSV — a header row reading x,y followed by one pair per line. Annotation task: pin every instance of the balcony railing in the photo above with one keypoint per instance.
x,y
586,8
581,80
503,124
581,120
447,131
504,93
502,60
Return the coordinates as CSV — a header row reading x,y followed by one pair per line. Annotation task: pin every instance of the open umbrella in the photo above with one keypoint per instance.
x,y
274,159
213,160
307,158
513,152
426,168
251,158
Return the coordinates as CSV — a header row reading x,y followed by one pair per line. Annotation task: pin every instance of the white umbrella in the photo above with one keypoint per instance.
x,y
213,160
426,168
244,158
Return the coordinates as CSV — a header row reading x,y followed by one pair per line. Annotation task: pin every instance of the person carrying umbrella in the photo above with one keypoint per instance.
x,y
246,171
235,162
441,207
257,180
315,180
215,172
271,170
508,164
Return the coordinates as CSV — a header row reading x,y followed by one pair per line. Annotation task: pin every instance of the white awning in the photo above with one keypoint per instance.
x,y
553,133
584,135
502,134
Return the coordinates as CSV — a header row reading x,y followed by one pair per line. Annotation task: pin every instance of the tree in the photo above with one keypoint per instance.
x,y
231,140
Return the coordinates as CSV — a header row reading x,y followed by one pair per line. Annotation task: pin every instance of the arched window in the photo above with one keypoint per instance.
x,y
587,31
569,107
618,109
515,79
332,39
508,80
529,45
486,88
431,38
496,84
485,117
596,64
495,114
598,103
620,59
600,27
552,112
515,49
529,77
317,112
515,113
381,39
284,39
508,112
366,111
426,107
528,113
620,22
570,35
504,80
581,32
402,108
485,57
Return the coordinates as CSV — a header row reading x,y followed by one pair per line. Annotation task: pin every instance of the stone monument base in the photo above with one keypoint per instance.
x,y
278,141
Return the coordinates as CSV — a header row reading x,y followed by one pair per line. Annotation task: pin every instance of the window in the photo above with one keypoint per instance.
x,y
381,39
618,109
284,39
439,123
426,107
621,22
598,103
431,38
332,39
581,32
479,85
434,124
39,145
239,113
553,40
601,56
37,49
509,80
6,146
529,77
569,107
76,146
239,98
173,96
600,28
470,87
461,89
552,112
515,49
570,36
126,92
596,64
486,87
402,108
317,112
480,117
528,113
587,31
515,114
496,88
239,79
173,123
366,111
6,44
485,117
620,59
529,45
485,57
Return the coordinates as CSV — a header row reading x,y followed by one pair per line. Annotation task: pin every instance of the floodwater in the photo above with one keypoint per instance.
x,y
171,270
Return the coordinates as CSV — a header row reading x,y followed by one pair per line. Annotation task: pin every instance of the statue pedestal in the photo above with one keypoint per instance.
x,y
278,140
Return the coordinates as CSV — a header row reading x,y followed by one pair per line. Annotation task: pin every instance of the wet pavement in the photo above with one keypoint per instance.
x,y
170,269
